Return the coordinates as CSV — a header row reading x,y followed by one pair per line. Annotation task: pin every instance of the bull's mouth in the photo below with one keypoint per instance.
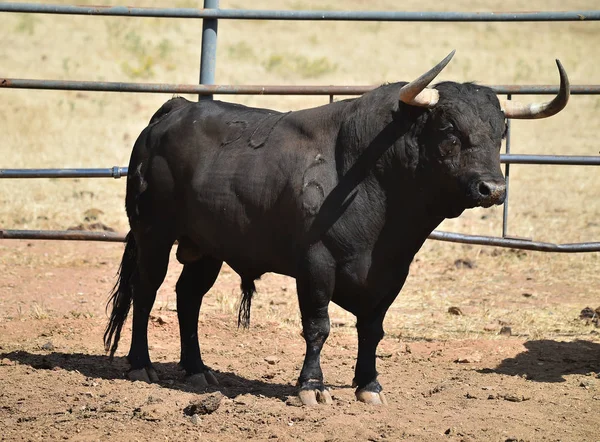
x,y
489,203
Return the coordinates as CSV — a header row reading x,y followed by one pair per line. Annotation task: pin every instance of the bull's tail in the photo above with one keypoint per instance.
x,y
121,297
248,290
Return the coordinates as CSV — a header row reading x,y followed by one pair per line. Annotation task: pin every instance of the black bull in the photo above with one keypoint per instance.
x,y
340,197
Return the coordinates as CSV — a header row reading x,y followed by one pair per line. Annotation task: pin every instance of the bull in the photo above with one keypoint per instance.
x,y
340,197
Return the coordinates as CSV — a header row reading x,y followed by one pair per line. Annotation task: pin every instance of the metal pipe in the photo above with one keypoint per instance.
x,y
515,243
72,235
76,235
252,14
557,160
114,172
208,56
118,172
205,89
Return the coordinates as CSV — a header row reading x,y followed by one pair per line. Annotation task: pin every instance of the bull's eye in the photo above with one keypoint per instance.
x,y
450,146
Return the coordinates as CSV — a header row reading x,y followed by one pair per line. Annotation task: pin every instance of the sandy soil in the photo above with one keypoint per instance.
x,y
446,377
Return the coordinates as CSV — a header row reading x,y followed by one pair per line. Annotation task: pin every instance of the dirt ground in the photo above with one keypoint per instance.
x,y
446,377
516,363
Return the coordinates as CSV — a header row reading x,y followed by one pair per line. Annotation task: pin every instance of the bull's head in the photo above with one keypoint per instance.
x,y
462,134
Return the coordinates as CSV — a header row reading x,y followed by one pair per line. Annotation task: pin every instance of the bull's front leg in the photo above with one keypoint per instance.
x,y
368,388
315,284
369,326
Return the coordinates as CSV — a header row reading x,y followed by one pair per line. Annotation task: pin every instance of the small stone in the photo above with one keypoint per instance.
x,y
470,396
147,413
293,401
153,400
455,311
205,404
464,264
475,357
587,313
527,295
49,346
271,360
515,397
505,331
158,320
450,431
195,419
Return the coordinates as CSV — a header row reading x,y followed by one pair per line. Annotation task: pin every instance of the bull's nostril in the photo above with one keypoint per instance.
x,y
484,189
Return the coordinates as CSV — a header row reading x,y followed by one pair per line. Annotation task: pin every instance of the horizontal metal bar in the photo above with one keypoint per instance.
x,y
566,160
515,243
118,172
204,89
76,235
251,14
113,172
71,235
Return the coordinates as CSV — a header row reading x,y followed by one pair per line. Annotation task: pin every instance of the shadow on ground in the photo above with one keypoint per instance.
x,y
550,361
97,366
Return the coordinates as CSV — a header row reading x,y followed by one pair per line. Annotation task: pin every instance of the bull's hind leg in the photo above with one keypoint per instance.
x,y
152,262
196,279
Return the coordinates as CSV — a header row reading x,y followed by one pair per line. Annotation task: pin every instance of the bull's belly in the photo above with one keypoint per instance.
x,y
252,249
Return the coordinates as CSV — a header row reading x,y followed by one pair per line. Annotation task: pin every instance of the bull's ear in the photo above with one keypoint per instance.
x,y
416,93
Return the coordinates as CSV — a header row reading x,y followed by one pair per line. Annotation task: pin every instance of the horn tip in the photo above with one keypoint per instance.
x,y
563,75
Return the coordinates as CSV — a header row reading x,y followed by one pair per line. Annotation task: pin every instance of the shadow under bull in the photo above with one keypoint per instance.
x,y
550,361
97,366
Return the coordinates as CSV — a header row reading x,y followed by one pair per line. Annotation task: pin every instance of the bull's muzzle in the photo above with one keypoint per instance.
x,y
488,193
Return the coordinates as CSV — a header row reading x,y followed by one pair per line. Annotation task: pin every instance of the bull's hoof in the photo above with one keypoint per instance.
x,y
371,393
147,375
314,393
371,397
202,380
315,397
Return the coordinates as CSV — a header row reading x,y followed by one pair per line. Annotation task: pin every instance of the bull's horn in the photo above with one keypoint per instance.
x,y
514,109
416,92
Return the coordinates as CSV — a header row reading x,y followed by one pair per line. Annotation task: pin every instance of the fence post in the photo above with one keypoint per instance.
x,y
208,57
507,177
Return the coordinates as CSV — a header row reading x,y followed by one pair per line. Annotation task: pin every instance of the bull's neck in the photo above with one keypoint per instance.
x,y
378,152
380,144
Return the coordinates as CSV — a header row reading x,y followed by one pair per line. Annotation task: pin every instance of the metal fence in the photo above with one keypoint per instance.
x,y
210,15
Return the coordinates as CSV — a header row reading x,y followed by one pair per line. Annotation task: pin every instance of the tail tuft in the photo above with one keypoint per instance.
x,y
121,297
248,290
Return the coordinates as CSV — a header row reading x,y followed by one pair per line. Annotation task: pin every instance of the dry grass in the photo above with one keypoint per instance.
x,y
85,129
